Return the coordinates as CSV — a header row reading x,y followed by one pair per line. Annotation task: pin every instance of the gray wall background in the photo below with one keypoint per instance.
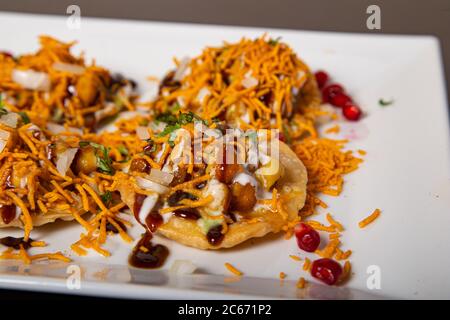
x,y
397,16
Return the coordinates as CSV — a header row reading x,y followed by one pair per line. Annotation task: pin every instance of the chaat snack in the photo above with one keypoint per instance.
x,y
54,172
254,84
36,182
228,151
53,85
213,188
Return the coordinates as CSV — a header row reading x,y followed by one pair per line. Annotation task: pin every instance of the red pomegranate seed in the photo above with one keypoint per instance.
x,y
352,112
321,78
326,270
308,239
340,100
330,91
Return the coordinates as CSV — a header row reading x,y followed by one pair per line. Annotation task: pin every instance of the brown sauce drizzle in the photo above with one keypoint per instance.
x,y
16,242
153,221
152,256
8,212
138,201
145,254
187,213
179,195
140,165
215,235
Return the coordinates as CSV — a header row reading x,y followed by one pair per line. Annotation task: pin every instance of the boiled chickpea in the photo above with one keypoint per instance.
x,y
243,197
85,160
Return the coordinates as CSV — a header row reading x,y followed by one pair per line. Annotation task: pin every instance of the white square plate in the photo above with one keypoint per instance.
x,y
405,173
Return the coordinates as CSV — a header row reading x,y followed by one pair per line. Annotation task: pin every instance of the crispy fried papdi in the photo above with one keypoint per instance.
x,y
292,188
43,218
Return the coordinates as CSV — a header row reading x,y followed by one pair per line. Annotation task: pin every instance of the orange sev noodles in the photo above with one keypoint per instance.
x,y
258,79
76,90
368,220
47,190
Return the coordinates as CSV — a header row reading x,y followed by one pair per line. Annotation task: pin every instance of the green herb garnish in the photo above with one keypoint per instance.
x,y
123,151
58,115
106,198
274,42
151,146
287,134
104,162
169,129
175,107
384,103
24,116
167,117
174,122
3,110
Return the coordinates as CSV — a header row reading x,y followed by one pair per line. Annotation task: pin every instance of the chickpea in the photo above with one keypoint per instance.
x,y
85,160
87,88
243,197
226,172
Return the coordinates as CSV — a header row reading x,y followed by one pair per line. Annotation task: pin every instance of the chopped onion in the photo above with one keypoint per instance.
x,y
160,177
4,134
68,67
202,94
34,128
180,73
147,206
142,133
57,129
18,213
23,182
10,119
30,79
182,267
249,81
157,127
150,185
109,110
65,160
4,138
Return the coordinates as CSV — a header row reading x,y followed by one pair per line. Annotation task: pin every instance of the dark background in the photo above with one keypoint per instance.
x,y
430,17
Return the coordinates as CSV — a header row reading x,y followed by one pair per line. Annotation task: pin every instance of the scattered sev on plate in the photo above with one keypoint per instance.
x,y
232,269
371,218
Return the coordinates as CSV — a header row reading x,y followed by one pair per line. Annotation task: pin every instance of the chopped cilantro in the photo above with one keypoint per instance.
x,y
150,147
104,162
274,42
175,107
106,197
252,135
169,129
123,151
384,103
3,110
182,118
287,134
167,117
24,116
